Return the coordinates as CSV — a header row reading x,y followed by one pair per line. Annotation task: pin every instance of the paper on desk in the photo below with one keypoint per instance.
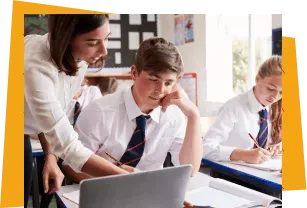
x,y
222,193
207,196
73,196
273,164
246,193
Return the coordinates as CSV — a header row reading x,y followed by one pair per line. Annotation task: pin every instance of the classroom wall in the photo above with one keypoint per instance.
x,y
193,54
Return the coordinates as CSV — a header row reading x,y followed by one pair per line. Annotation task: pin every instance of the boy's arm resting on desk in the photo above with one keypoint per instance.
x,y
93,170
78,177
73,176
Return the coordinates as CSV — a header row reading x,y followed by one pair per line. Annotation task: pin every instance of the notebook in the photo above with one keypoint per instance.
x,y
221,193
274,164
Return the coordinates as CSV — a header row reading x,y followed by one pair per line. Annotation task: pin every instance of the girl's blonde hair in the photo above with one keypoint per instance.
x,y
273,67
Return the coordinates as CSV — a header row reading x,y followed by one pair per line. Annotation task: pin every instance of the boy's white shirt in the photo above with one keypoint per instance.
x,y
89,93
107,124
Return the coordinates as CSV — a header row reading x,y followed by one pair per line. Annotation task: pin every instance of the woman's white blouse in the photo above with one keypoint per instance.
x,y
48,94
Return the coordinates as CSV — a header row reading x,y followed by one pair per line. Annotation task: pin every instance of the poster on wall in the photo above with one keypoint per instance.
x,y
179,29
188,28
189,85
184,29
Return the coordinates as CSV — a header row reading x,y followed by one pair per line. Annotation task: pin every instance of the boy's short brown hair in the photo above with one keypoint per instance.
x,y
158,55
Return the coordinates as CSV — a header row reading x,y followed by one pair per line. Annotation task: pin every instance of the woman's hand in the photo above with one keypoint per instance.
x,y
52,175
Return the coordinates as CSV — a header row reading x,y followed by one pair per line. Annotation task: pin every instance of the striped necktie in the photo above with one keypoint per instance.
x,y
77,111
263,131
136,146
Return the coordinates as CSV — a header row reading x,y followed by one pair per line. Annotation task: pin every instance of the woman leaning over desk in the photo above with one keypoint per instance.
x,y
54,67
248,127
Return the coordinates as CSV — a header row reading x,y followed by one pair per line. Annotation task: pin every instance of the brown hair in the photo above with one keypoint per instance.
x,y
62,29
107,85
273,67
157,55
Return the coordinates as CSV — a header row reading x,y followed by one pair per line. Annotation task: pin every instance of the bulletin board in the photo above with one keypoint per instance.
x,y
127,33
189,84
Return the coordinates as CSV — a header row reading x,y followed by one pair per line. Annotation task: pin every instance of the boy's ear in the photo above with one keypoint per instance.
x,y
257,78
133,72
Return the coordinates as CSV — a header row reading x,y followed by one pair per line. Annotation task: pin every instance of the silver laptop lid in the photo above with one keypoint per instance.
x,y
151,189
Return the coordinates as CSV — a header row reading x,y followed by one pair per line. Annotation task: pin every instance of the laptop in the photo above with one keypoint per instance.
x,y
151,189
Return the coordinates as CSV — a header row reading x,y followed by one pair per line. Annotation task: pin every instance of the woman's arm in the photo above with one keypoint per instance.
x,y
40,95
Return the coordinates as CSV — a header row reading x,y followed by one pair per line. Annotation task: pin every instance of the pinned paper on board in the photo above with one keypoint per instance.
x,y
118,58
114,44
134,40
115,31
151,18
179,30
188,28
189,84
135,19
184,29
114,17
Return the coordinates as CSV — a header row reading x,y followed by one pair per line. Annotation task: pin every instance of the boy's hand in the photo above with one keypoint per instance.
x,y
187,204
176,97
129,168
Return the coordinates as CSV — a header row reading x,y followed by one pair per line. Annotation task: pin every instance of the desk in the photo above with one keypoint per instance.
x,y
37,151
269,180
199,180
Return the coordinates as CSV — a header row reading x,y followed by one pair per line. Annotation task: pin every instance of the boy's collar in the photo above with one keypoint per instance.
x,y
133,109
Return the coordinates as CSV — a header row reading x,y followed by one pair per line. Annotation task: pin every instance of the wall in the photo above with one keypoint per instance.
x,y
193,54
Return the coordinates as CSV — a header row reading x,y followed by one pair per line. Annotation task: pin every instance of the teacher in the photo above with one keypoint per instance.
x,y
54,67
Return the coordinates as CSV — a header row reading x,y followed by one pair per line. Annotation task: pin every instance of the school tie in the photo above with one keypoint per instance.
x,y
263,131
76,112
136,146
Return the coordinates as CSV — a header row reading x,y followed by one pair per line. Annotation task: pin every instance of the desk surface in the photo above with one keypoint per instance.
x,y
199,180
269,179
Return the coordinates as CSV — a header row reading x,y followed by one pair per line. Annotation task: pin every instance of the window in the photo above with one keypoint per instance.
x,y
236,45
263,38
